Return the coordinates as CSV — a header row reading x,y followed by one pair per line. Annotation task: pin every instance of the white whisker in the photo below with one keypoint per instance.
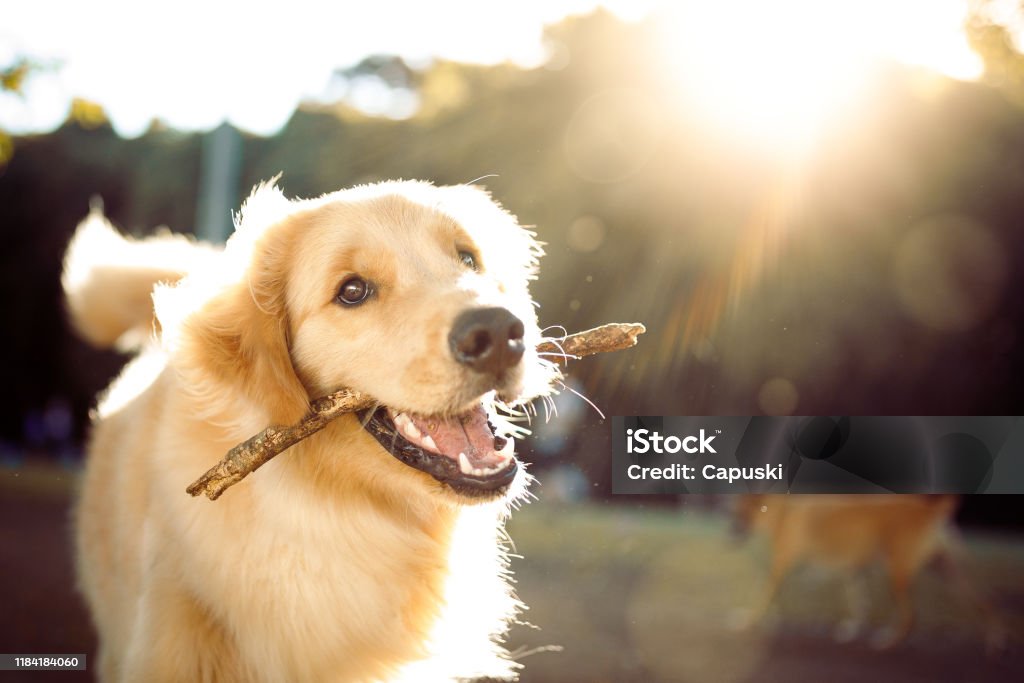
x,y
483,177
565,332
552,354
550,408
369,414
523,652
591,403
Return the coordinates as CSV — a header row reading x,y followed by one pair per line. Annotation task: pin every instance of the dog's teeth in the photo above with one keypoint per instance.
x,y
429,443
509,448
464,464
406,426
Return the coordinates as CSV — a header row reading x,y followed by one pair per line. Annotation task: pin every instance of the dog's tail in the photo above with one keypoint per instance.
x,y
108,279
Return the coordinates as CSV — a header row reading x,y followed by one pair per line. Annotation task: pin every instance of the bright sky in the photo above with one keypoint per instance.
x,y
195,63
805,62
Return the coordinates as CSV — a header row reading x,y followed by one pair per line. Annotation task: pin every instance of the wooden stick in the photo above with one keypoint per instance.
x,y
610,337
249,455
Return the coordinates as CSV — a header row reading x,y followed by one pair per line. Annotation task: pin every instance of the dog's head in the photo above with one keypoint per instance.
x,y
413,294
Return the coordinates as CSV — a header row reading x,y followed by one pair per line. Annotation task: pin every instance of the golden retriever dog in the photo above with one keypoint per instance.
x,y
848,533
371,551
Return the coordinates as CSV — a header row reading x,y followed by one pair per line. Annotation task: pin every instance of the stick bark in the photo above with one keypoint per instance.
x,y
254,452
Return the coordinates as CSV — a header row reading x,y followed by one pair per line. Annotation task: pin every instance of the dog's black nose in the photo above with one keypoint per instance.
x,y
488,340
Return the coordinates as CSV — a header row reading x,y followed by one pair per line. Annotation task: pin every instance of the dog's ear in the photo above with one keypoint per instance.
x,y
232,350
241,345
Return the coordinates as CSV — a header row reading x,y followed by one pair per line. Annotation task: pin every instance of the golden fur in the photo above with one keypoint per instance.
x,y
334,562
850,532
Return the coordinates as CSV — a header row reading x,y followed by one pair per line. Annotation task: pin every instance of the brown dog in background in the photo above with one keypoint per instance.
x,y
848,533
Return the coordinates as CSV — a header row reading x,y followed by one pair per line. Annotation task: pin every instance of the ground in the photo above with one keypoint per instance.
x,y
647,595
616,593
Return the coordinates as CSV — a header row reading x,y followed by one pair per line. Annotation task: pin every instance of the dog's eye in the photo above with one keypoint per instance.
x,y
468,259
353,291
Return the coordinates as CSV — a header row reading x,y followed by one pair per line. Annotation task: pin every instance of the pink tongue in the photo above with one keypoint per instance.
x,y
468,433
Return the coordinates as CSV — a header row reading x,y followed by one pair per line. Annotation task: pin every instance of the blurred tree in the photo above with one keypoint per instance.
x,y
636,203
13,77
993,28
390,69
12,80
87,114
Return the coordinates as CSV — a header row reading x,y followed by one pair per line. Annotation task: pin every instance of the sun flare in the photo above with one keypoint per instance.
x,y
777,73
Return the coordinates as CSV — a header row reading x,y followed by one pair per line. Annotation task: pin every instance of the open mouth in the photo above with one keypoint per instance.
x,y
462,452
